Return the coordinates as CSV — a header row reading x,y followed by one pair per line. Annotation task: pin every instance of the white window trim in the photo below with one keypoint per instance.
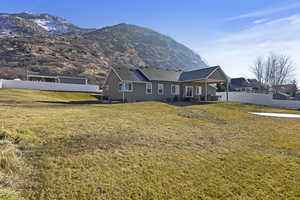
x,y
177,92
163,88
185,92
147,88
124,90
199,90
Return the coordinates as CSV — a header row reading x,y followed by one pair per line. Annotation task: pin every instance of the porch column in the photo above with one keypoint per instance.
x,y
199,93
205,90
227,89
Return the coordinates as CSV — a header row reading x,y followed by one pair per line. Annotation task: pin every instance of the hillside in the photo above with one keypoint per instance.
x,y
138,46
71,55
53,148
45,44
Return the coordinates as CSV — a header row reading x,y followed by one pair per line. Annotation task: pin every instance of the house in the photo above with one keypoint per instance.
x,y
154,84
243,84
297,97
281,96
58,79
289,89
51,83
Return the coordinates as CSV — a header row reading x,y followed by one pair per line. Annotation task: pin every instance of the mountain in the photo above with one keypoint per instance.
x,y
80,52
28,24
144,47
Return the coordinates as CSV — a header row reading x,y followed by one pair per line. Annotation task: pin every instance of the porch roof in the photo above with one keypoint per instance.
x,y
206,75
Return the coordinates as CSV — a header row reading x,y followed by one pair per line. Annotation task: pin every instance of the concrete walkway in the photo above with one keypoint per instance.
x,y
276,115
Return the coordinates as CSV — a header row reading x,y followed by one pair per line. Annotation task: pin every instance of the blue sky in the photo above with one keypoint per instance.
x,y
229,33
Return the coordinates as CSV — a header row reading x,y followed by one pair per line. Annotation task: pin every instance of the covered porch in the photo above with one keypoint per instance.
x,y
204,89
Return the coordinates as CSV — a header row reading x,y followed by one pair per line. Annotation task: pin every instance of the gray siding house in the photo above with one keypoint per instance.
x,y
153,84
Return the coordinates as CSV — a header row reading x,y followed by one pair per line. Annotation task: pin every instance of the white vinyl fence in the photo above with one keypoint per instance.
x,y
38,85
259,99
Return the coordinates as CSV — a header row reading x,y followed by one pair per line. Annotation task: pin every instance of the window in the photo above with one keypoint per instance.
x,y
126,86
189,91
199,90
160,89
148,88
175,89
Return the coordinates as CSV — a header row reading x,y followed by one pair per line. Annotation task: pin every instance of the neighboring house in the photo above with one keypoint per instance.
x,y
243,84
52,83
281,96
58,79
297,97
289,89
153,84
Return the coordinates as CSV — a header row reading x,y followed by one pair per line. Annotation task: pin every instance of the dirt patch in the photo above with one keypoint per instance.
x,y
203,115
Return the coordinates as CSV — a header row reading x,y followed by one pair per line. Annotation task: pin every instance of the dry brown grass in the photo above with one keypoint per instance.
x,y
151,150
12,168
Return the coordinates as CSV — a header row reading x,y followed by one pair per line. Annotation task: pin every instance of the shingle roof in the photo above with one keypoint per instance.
x,y
236,83
287,87
197,74
130,74
239,82
156,74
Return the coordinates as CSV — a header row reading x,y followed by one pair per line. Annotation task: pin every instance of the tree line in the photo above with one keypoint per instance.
x,y
273,70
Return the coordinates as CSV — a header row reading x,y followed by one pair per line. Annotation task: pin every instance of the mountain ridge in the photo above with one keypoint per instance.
x,y
88,53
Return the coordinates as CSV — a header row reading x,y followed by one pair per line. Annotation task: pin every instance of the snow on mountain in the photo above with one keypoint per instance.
x,y
54,27
42,23
52,24
15,24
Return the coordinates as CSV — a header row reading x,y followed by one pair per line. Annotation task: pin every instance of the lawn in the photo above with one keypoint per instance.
x,y
54,147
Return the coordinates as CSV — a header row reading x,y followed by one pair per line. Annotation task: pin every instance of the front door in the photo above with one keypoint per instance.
x,y
189,91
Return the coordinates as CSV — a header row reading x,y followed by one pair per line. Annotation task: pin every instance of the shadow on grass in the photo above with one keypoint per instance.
x,y
71,102
178,103
188,103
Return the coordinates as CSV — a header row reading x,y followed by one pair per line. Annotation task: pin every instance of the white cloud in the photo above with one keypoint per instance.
x,y
236,51
259,21
265,12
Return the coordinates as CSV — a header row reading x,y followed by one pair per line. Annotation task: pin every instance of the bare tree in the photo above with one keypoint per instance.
x,y
258,70
285,70
275,70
